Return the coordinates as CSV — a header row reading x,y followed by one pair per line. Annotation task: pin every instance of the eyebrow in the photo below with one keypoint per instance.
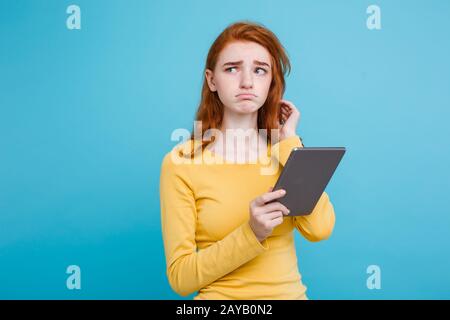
x,y
237,63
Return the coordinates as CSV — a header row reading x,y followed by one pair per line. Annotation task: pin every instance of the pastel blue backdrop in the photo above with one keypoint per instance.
x,y
86,117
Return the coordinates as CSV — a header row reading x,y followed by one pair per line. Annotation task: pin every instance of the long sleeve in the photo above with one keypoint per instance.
x,y
189,269
319,224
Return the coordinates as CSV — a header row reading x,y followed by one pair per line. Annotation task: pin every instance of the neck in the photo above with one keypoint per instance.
x,y
239,121
239,124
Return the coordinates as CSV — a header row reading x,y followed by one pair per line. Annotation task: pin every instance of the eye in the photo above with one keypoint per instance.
x,y
264,70
227,69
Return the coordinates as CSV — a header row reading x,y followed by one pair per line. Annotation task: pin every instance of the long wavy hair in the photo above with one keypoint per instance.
x,y
210,111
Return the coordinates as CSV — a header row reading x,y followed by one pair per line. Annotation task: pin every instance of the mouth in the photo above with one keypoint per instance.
x,y
245,96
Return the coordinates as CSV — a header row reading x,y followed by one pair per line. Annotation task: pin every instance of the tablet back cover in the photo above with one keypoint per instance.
x,y
305,177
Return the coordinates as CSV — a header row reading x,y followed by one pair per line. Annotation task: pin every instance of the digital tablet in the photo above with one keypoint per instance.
x,y
305,176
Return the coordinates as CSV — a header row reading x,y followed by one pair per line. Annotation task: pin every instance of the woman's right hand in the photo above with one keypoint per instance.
x,y
265,216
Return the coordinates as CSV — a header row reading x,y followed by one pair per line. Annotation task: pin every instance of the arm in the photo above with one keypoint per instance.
x,y
320,223
188,270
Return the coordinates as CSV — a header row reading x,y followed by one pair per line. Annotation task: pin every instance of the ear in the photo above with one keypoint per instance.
x,y
210,79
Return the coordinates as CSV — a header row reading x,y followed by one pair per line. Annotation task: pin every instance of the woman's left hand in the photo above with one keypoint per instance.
x,y
290,117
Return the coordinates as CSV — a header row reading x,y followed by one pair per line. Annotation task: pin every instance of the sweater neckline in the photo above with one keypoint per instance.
x,y
214,155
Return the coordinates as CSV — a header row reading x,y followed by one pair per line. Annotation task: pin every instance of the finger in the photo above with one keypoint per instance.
x,y
286,104
273,215
269,196
275,222
286,113
275,206
290,105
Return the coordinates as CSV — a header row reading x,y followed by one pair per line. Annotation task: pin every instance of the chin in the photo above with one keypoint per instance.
x,y
246,107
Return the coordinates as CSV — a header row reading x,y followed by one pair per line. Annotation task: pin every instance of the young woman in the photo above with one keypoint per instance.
x,y
225,234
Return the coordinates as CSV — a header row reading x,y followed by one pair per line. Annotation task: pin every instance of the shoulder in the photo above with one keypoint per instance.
x,y
176,169
180,156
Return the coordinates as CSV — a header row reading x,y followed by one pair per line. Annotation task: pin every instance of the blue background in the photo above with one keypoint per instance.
x,y
86,117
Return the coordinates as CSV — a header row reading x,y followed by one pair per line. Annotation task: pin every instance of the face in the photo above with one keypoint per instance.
x,y
242,76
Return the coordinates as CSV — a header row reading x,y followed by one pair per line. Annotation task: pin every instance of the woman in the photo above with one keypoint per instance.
x,y
221,235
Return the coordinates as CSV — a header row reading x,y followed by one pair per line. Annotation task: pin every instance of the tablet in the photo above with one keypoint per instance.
x,y
305,176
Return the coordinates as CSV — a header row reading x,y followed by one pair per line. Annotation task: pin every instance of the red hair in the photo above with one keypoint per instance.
x,y
210,110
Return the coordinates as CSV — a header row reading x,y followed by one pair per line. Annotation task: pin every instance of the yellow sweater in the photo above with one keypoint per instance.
x,y
208,243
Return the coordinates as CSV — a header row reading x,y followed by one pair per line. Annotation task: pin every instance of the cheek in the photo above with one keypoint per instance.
x,y
264,86
226,85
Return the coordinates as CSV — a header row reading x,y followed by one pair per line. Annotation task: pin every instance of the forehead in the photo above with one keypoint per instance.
x,y
246,51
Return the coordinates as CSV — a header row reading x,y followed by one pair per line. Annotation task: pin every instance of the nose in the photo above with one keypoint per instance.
x,y
246,80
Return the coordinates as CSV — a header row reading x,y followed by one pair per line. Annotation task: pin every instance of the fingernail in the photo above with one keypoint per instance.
x,y
282,191
289,211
